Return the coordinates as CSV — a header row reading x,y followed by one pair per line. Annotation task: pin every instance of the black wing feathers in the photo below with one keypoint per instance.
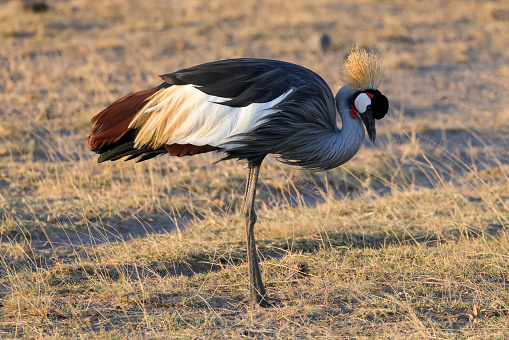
x,y
244,81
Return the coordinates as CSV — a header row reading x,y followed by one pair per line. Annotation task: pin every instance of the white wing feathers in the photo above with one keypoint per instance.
x,y
182,114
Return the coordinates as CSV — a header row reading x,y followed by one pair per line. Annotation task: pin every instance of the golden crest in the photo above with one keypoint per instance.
x,y
362,69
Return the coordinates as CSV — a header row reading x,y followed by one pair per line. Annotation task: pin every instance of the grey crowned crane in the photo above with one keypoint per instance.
x,y
247,108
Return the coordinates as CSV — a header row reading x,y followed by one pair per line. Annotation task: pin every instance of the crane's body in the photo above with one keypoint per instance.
x,y
246,108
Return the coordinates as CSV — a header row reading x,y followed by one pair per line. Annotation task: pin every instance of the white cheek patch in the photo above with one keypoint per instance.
x,y
361,102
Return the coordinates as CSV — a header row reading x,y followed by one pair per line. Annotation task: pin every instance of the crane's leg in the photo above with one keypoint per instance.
x,y
257,292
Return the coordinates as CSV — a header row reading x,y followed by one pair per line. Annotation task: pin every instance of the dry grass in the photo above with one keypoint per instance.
x,y
403,241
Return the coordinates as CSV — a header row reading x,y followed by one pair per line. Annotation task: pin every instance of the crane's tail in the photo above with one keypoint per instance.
x,y
123,149
111,136
112,123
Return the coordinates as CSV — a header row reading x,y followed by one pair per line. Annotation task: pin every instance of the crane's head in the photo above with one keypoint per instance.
x,y
362,73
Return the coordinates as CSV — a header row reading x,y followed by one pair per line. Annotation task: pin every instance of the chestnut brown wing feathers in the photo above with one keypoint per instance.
x,y
112,123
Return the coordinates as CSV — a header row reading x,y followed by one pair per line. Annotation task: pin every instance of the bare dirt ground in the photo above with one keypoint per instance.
x,y
402,241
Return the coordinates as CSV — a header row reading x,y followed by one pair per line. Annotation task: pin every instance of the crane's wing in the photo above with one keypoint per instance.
x,y
210,107
244,81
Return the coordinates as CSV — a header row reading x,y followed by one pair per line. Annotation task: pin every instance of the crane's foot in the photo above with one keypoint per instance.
x,y
269,302
263,301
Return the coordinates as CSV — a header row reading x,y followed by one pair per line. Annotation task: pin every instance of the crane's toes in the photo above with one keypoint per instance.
x,y
263,301
268,302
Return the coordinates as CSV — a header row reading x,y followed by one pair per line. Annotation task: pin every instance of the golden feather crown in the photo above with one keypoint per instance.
x,y
362,69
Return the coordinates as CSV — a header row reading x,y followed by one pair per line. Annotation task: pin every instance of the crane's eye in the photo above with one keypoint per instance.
x,y
362,101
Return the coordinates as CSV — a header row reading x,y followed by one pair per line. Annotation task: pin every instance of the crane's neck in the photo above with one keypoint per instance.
x,y
318,143
302,130
346,141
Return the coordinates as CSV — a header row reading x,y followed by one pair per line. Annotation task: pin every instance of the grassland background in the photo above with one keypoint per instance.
x,y
400,242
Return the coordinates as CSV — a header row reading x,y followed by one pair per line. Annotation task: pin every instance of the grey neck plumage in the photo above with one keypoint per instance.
x,y
348,140
303,131
322,145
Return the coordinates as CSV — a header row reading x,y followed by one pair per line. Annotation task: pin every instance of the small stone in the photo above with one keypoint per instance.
x,y
320,42
36,6
500,14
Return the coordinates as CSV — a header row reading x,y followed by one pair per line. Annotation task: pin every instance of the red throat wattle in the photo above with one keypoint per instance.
x,y
353,112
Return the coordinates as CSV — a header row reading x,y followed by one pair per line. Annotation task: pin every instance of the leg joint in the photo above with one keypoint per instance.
x,y
251,217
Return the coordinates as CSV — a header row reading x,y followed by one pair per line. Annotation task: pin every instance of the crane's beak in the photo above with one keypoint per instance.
x,y
369,122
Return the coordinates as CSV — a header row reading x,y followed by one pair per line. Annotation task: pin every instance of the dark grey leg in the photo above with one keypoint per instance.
x,y
257,292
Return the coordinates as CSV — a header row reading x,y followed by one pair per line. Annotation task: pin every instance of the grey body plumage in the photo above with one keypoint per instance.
x,y
304,131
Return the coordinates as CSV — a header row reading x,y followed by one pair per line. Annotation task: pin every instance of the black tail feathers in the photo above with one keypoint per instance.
x,y
121,149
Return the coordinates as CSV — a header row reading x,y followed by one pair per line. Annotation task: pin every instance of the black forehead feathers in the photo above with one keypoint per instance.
x,y
379,104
